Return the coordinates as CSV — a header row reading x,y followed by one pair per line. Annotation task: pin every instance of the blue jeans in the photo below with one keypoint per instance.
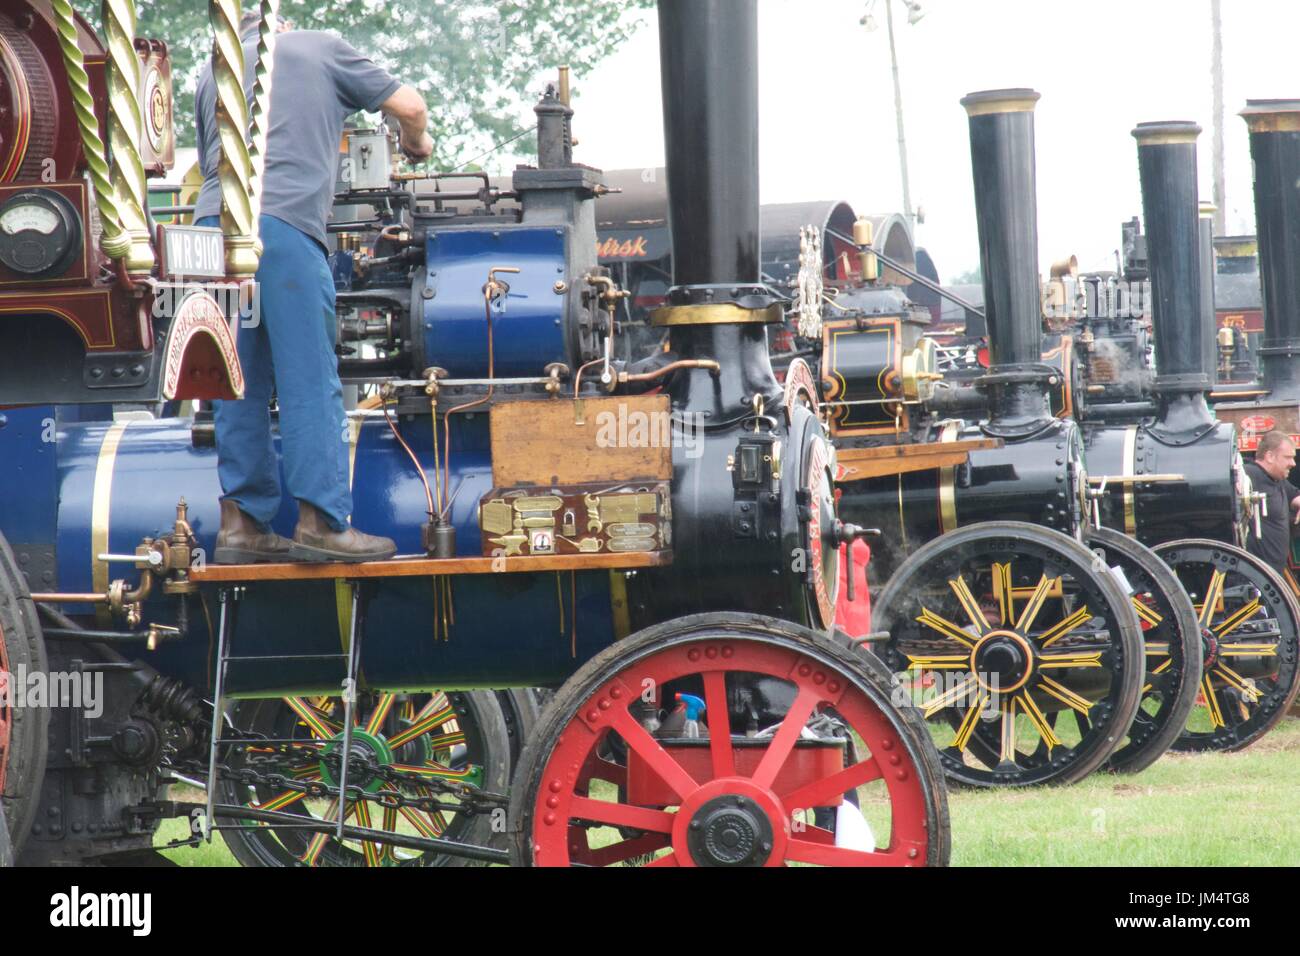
x,y
288,349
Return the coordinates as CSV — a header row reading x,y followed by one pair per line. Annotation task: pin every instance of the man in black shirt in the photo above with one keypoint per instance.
x,y
1274,460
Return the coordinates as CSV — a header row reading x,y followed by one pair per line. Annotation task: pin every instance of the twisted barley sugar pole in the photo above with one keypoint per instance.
x,y
124,130
235,171
261,117
115,241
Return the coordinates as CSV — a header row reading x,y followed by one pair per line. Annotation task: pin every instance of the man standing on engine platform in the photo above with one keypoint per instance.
x,y
319,80
1274,460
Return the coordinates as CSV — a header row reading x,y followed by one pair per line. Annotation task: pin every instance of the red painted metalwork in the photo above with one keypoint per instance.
x,y
6,710
584,781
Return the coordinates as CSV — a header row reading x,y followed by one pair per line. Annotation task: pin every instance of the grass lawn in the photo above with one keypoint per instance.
x,y
1208,810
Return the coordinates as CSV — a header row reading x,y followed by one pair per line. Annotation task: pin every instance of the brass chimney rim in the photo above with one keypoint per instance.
x,y
1167,133
1272,116
992,102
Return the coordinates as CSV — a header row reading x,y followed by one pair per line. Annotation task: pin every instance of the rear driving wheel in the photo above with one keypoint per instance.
x,y
604,782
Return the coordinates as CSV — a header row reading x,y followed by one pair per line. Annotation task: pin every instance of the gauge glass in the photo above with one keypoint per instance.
x,y
29,218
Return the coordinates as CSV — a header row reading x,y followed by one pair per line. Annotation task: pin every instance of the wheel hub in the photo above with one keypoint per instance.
x,y
730,831
1210,643
1006,654
366,749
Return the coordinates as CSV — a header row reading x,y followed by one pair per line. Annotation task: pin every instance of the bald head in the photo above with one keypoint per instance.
x,y
1275,454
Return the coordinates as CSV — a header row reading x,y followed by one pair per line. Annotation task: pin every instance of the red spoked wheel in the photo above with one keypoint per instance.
x,y
795,725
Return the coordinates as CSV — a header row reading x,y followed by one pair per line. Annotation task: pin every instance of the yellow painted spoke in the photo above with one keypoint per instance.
x,y
1147,613
950,697
1212,597
421,823
946,662
1004,592
969,605
1239,618
1008,753
381,713
1066,696
321,726
1243,684
1039,721
1084,659
1034,606
1159,670
1157,650
1248,650
390,825
1055,633
422,726
1211,702
443,741
970,722
319,840
372,851
945,627
435,770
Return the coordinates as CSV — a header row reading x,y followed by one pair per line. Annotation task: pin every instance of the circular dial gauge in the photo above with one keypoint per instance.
x,y
40,234
32,217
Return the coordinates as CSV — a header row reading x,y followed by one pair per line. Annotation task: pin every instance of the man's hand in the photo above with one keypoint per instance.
x,y
407,107
419,150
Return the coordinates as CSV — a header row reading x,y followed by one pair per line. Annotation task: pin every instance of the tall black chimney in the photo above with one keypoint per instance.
x,y
1171,208
1275,148
1209,317
1006,207
718,309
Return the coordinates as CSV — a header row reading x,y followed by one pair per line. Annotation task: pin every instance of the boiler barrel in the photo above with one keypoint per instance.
x,y
119,484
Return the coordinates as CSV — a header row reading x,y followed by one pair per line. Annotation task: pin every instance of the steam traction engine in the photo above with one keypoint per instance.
x,y
336,713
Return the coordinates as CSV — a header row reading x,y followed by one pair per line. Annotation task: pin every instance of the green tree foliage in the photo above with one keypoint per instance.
x,y
479,64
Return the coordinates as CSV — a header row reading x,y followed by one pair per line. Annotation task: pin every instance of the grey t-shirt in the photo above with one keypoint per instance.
x,y
319,81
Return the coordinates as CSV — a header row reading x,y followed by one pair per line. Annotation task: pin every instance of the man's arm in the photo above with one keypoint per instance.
x,y
407,107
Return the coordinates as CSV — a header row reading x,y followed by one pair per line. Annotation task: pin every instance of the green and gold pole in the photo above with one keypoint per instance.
x,y
124,131
235,171
115,241
261,115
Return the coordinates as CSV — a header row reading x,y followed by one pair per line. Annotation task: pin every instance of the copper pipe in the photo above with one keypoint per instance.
x,y
488,290
419,469
70,598
1255,393
712,366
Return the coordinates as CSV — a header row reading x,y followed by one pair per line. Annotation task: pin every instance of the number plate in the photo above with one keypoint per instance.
x,y
191,252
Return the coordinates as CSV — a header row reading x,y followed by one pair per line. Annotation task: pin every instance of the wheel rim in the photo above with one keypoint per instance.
x,y
6,714
998,635
1171,641
735,805
427,735
1250,638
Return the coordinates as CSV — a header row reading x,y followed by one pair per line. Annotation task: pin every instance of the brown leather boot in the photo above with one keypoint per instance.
x,y
242,541
315,541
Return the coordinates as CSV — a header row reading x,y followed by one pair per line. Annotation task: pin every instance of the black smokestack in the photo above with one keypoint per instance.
x,y
1167,166
1184,339
1209,318
709,56
1275,148
1006,207
717,310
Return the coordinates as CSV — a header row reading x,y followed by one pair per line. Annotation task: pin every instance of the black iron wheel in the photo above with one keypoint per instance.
x,y
1250,634
1172,638
453,736
24,731
997,631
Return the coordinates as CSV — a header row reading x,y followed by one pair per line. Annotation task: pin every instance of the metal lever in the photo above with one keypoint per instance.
x,y
848,534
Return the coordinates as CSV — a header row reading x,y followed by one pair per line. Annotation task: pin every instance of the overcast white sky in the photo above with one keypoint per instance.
x,y
1102,66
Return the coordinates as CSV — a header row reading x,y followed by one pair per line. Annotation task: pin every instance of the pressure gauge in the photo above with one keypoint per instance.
x,y
40,234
